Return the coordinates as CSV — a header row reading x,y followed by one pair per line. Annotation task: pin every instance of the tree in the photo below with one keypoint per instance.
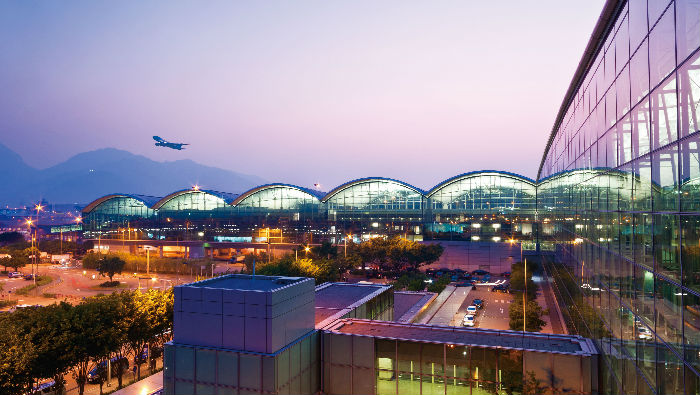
x,y
517,279
532,386
101,373
6,260
414,281
44,328
396,254
147,316
92,334
19,259
325,250
15,358
533,313
110,265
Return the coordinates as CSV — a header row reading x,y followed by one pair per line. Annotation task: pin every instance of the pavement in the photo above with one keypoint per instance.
x,y
428,314
446,314
147,386
72,284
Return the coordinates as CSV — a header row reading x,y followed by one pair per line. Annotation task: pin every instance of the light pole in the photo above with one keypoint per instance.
x,y
38,208
78,220
306,251
524,294
29,229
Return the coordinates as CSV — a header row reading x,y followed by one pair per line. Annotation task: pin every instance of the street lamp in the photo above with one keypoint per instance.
x,y
38,207
306,251
346,245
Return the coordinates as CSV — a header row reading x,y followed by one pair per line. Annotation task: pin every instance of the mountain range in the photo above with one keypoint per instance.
x,y
89,175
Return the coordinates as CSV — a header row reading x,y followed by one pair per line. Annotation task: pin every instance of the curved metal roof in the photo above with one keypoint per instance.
x,y
605,22
225,196
478,173
316,194
148,201
369,179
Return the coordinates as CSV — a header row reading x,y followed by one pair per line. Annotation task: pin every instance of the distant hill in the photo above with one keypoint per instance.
x,y
89,175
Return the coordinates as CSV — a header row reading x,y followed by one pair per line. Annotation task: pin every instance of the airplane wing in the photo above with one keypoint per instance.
x,y
158,139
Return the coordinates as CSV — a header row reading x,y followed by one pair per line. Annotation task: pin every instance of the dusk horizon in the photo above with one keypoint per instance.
x,y
411,103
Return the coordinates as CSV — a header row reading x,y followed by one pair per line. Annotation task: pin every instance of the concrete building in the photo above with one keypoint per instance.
x,y
240,334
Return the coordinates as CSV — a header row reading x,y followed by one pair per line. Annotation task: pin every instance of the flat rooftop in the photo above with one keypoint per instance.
x,y
465,336
247,282
408,304
339,298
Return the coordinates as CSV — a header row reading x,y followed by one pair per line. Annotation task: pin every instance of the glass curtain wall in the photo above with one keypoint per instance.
x,y
292,209
185,214
619,194
376,206
480,206
116,211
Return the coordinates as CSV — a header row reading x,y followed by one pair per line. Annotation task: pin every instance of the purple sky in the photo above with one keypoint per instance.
x,y
299,92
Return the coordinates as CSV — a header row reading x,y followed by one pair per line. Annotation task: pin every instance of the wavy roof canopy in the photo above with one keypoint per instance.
x,y
315,194
479,173
228,198
349,184
148,201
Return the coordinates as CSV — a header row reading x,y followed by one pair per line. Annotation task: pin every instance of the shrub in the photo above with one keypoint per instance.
x,y
40,281
137,263
439,285
107,284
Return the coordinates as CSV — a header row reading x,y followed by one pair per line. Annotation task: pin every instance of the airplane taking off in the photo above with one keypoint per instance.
x,y
164,143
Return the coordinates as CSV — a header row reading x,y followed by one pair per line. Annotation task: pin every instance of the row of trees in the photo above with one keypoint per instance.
x,y
324,263
533,312
395,254
155,263
16,257
53,341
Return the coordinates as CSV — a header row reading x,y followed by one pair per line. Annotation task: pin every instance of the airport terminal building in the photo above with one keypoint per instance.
x,y
616,200
484,204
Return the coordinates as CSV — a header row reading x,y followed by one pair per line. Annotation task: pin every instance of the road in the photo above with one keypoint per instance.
x,y
494,314
74,283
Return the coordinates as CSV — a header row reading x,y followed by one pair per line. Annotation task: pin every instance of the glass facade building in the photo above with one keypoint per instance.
x,y
618,194
504,203
365,357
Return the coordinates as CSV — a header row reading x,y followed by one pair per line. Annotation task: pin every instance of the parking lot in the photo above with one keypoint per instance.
x,y
494,312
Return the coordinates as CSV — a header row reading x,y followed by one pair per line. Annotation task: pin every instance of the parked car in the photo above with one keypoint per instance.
x,y
486,278
93,374
471,310
14,274
29,276
468,320
505,288
505,274
45,387
643,333
478,303
480,272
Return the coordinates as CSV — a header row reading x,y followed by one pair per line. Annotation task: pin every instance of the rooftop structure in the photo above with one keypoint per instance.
x,y
465,336
241,312
408,304
341,300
